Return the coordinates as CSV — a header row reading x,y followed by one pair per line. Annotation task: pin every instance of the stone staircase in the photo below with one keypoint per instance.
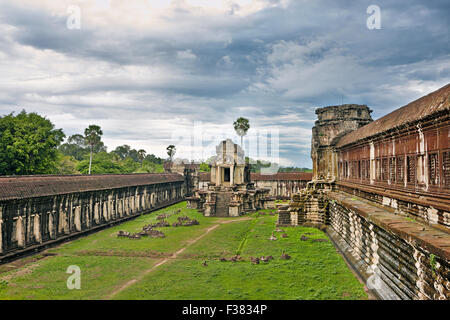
x,y
223,203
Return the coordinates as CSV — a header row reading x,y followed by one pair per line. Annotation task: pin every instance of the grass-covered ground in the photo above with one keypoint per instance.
x,y
120,268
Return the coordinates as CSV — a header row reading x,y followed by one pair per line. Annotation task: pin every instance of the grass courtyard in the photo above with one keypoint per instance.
x,y
173,267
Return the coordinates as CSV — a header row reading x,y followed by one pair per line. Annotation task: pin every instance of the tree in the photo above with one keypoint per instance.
x,y
154,159
74,147
101,163
122,151
204,167
141,155
92,138
171,150
66,165
241,126
28,144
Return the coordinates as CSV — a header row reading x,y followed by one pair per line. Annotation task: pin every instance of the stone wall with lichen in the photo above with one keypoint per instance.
x,y
398,266
32,222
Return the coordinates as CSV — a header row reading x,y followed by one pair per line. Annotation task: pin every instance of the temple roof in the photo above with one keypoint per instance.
x,y
421,108
19,187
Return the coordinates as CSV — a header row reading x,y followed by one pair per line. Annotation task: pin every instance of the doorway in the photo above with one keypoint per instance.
x,y
226,174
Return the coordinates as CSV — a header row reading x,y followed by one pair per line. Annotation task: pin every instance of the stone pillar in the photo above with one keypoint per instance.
x,y
96,213
232,176
77,220
20,237
218,176
37,228
51,226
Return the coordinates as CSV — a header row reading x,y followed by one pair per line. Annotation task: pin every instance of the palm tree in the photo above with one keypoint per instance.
x,y
241,125
92,137
141,155
171,150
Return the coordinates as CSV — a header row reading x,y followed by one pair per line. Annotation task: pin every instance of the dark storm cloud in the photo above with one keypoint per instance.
x,y
274,66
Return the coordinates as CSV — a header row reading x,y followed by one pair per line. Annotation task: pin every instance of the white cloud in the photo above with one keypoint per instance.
x,y
145,69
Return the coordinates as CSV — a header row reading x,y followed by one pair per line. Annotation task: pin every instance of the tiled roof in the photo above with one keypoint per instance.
x,y
20,187
204,176
437,101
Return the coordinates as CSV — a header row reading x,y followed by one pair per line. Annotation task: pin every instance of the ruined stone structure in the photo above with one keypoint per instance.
x,y
230,191
382,192
40,210
189,170
282,185
333,122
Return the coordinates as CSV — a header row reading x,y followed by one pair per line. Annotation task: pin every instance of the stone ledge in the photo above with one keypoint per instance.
x,y
436,241
441,201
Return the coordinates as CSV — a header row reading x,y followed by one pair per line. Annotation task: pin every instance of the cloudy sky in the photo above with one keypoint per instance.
x,y
153,73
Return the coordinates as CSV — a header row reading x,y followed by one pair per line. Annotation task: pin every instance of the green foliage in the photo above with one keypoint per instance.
x,y
92,136
315,271
129,165
101,163
241,125
66,165
154,159
104,163
150,167
75,147
204,167
28,144
257,165
122,151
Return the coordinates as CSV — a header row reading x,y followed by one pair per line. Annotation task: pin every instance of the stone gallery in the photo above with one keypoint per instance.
x,y
379,189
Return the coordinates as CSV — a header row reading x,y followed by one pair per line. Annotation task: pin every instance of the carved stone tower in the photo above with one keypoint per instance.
x,y
309,207
333,123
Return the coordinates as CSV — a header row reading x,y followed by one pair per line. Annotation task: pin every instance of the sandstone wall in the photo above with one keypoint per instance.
x,y
394,264
29,222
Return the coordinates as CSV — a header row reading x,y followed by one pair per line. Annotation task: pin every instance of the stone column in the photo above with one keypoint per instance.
x,y
77,218
19,232
218,178
37,228
232,175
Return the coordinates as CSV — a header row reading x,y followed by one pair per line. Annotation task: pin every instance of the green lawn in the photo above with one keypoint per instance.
x,y
315,270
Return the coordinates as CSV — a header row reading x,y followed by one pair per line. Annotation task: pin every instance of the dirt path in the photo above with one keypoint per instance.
x,y
174,256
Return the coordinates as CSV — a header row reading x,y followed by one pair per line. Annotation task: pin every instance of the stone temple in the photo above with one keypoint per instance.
x,y
230,191
380,190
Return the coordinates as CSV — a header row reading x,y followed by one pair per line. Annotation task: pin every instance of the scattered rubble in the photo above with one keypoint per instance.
x,y
272,237
266,259
285,256
149,230
254,260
